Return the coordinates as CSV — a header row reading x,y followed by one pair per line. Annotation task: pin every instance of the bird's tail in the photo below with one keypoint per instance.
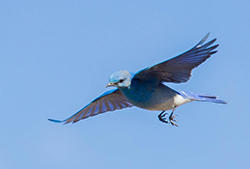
x,y
202,98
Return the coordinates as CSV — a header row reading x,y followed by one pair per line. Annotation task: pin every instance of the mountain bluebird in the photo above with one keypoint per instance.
x,y
145,89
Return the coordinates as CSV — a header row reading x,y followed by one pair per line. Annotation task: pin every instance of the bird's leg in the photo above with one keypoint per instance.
x,y
172,118
162,118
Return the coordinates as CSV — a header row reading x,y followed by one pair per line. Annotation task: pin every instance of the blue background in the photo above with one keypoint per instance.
x,y
56,56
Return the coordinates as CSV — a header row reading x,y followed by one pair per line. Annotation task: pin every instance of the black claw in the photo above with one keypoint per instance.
x,y
171,119
161,117
174,124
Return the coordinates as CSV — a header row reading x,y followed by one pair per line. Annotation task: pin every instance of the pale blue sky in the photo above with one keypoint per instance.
x,y
56,56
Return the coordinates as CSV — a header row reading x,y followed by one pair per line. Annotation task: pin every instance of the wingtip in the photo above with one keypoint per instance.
x,y
203,39
56,121
207,35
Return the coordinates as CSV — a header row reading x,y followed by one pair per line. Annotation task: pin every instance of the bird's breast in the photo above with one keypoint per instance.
x,y
154,98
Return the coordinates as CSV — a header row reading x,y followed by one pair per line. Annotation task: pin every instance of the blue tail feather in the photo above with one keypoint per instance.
x,y
202,98
211,99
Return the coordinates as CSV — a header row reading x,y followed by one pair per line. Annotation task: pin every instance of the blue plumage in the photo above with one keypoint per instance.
x,y
146,90
109,101
202,98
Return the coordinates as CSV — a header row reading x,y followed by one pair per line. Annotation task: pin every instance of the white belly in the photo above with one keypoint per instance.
x,y
170,103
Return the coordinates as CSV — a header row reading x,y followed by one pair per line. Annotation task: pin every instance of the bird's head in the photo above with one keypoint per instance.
x,y
120,79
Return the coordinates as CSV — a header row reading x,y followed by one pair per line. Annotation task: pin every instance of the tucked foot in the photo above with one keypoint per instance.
x,y
162,117
172,119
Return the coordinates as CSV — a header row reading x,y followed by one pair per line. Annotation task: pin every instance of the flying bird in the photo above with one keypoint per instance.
x,y
145,89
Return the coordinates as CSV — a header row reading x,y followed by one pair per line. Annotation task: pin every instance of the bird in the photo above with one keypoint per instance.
x,y
146,89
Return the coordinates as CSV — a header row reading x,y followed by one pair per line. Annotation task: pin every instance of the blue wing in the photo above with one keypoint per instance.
x,y
178,69
109,101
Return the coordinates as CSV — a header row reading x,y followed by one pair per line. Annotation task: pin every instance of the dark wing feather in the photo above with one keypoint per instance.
x,y
109,101
178,69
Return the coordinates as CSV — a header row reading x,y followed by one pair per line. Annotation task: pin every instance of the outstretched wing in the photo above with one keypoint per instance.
x,y
178,69
109,101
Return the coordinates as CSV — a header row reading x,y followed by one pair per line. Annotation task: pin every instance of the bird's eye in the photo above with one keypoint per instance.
x,y
120,81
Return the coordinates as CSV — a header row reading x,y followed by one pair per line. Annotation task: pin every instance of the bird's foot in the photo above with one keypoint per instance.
x,y
172,119
162,117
